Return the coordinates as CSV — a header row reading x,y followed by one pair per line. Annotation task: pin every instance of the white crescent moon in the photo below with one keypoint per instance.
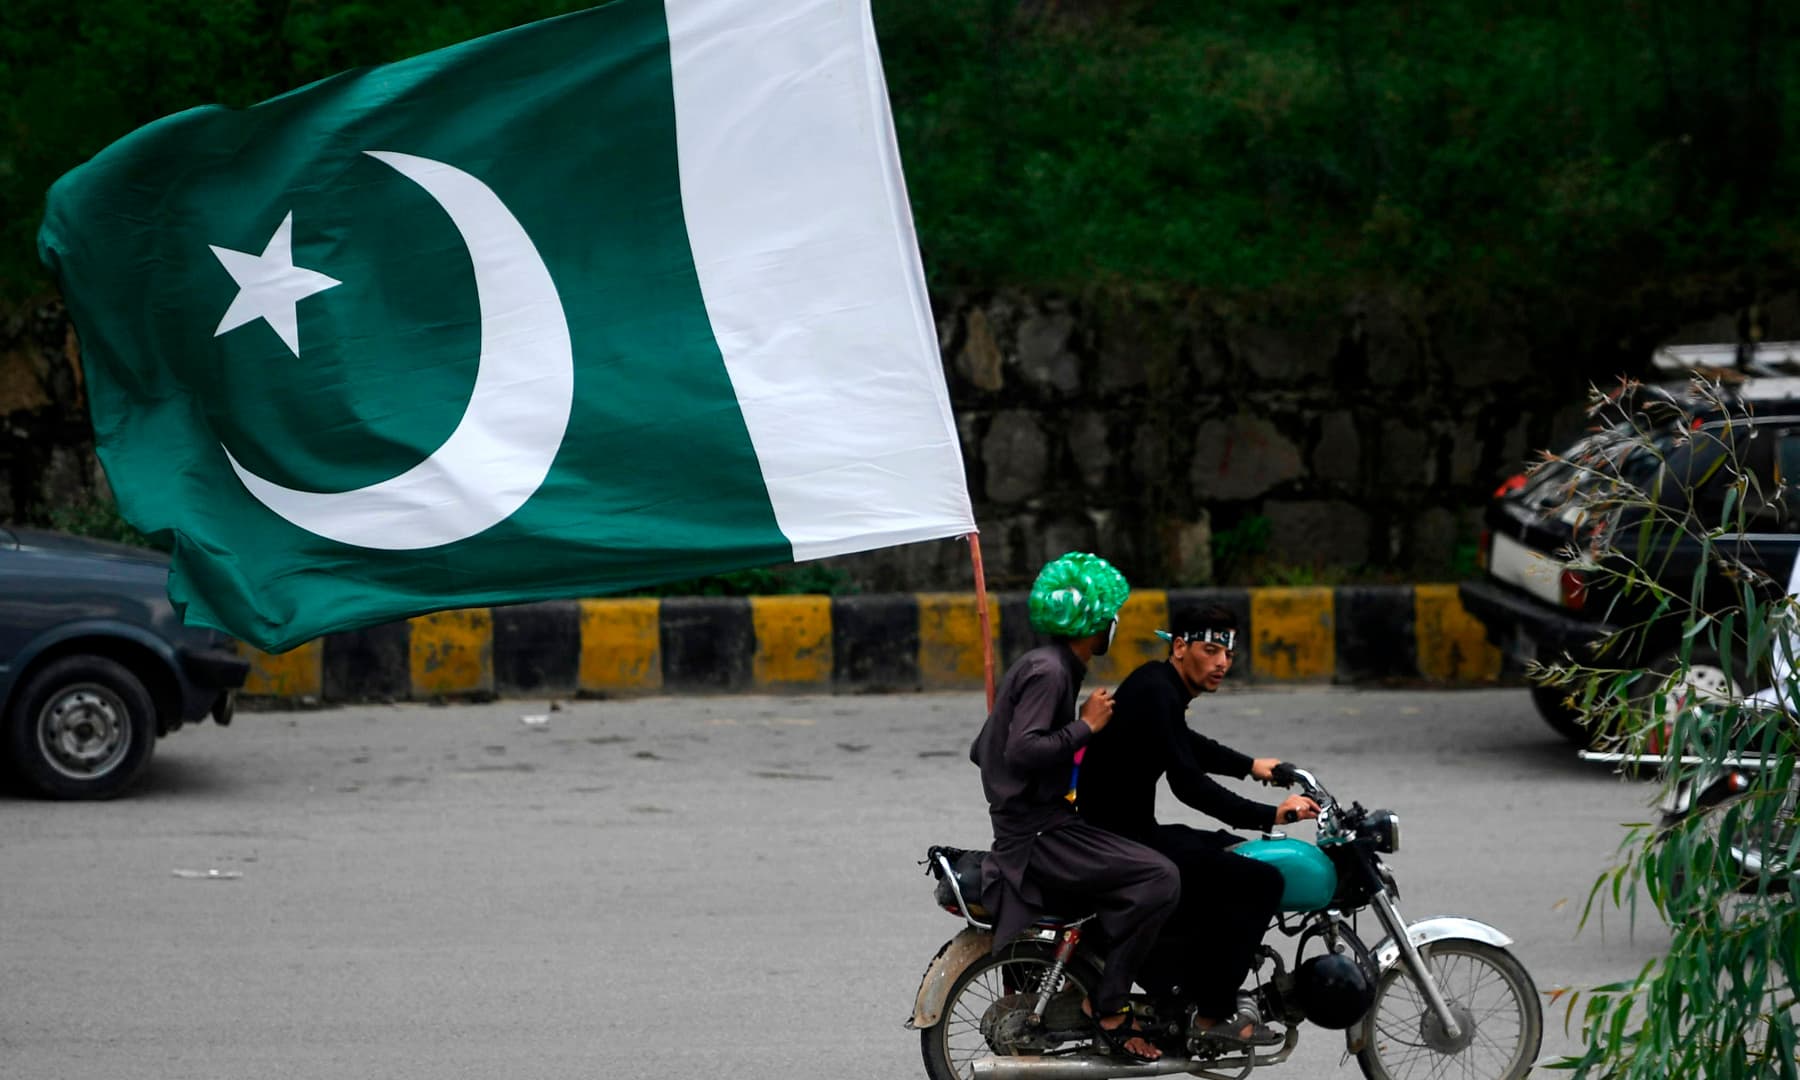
x,y
517,413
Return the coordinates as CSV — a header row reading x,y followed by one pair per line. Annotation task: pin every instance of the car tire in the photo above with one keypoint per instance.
x,y
1552,705
1706,675
1706,671
83,727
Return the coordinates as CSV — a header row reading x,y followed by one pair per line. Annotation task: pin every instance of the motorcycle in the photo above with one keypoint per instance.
x,y
1706,786
1441,996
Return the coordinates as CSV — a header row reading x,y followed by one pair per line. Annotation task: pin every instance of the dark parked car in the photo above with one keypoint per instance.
x,y
1537,606
95,665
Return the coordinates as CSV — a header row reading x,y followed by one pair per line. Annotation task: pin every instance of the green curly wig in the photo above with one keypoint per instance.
x,y
1076,595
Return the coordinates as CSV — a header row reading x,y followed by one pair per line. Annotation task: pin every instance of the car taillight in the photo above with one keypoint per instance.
x,y
1509,485
1574,590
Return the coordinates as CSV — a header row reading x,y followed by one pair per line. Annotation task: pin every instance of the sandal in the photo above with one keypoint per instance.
x,y
1117,1039
1230,1032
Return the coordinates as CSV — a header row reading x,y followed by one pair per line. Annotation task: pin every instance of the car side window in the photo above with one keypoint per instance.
x,y
1787,476
1761,502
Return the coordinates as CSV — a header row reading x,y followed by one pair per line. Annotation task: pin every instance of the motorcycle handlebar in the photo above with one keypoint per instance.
x,y
1287,774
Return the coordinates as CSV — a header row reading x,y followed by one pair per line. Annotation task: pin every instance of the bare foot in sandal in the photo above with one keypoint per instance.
x,y
1113,1032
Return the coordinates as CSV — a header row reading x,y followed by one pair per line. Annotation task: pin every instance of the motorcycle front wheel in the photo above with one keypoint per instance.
x,y
1495,1004
986,1011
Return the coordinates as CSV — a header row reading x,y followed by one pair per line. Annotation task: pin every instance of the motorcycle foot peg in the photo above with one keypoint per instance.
x,y
1250,1004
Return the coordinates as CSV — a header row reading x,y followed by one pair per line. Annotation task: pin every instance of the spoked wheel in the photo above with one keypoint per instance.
x,y
989,1011
1493,1000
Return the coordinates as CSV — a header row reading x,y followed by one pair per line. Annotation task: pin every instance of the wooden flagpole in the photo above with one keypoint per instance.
x,y
981,612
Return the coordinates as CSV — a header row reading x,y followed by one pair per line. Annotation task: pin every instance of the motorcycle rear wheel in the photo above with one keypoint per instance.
x,y
1486,987
1678,902
977,1020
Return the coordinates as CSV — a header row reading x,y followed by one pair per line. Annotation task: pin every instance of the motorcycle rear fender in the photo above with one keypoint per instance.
x,y
1425,932
957,954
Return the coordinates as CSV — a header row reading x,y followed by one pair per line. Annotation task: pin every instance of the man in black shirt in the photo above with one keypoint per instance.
x,y
1227,900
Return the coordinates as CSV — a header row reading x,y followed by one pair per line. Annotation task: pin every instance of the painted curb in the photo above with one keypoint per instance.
x,y
896,642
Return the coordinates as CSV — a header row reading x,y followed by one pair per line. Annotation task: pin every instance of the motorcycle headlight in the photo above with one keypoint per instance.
x,y
1384,827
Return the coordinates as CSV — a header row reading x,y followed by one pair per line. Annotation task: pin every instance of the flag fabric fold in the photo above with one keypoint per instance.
x,y
613,299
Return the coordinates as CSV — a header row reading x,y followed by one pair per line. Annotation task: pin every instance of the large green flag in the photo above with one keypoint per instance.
x,y
616,298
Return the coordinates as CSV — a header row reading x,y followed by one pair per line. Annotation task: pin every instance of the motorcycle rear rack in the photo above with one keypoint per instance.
x,y
962,904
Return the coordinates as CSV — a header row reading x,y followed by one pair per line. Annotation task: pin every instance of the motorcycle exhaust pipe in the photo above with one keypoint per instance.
x,y
1027,1068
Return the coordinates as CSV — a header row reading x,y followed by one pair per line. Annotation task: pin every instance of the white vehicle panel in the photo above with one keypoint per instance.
x,y
1519,566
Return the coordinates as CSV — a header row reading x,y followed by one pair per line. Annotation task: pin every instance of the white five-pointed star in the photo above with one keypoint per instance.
x,y
269,285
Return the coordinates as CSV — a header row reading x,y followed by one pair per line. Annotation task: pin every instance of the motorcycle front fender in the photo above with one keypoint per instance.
x,y
1439,928
1421,933
957,954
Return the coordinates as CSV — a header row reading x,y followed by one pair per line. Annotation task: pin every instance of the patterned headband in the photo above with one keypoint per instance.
x,y
1227,638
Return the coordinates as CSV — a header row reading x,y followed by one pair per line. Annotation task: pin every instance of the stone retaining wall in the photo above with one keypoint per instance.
x,y
1369,437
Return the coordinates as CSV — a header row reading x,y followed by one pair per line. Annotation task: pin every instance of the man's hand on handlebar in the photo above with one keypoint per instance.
x,y
1275,771
1294,808
1282,774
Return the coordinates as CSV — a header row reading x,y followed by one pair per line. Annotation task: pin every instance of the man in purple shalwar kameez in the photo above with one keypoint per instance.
x,y
1027,754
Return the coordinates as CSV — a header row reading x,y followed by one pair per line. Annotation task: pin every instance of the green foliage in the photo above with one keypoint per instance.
x,y
1321,574
1536,155
76,76
1465,562
1241,557
1485,150
1237,549
97,517
1721,1004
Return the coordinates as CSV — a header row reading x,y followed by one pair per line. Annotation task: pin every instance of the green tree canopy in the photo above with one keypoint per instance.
x,y
1521,147
1539,154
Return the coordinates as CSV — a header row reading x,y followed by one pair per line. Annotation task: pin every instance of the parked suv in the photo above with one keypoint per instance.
x,y
95,665
1537,606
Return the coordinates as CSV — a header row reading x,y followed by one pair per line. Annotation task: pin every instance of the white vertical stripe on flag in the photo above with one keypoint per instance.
x,y
803,240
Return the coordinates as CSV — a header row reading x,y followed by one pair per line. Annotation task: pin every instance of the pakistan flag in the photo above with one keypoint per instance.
x,y
617,298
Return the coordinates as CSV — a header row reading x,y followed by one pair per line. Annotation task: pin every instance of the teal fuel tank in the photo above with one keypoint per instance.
x,y
1309,880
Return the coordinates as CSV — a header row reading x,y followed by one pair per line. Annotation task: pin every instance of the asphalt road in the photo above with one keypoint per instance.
x,y
667,887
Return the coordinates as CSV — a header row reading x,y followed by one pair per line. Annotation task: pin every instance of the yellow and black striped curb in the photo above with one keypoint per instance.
x,y
893,642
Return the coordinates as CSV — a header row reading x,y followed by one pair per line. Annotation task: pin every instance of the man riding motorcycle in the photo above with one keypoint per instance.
x,y
1044,852
1227,900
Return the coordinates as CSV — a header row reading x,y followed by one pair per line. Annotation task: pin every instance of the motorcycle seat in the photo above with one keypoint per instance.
x,y
965,865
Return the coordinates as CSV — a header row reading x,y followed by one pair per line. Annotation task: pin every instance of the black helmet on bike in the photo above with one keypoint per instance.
x,y
1333,990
